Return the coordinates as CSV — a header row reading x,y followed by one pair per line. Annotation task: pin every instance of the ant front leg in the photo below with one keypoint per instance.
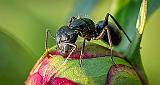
x,y
46,41
46,38
74,48
119,26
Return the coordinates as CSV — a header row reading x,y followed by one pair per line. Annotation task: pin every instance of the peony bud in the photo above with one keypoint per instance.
x,y
97,68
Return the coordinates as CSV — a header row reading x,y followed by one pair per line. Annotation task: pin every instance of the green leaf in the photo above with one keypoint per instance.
x,y
30,19
15,60
153,5
141,21
128,19
134,52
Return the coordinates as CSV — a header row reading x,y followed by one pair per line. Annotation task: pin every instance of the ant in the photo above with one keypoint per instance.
x,y
66,36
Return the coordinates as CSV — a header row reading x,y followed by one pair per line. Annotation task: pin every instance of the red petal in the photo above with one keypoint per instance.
x,y
61,81
34,79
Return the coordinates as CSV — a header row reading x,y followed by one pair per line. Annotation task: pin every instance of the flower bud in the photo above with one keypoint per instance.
x,y
97,68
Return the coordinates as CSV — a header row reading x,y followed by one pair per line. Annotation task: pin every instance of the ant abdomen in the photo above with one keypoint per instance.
x,y
115,33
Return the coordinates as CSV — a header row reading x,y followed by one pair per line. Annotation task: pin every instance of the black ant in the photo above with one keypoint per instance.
x,y
66,36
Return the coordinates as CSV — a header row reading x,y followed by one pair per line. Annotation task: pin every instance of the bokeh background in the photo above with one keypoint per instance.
x,y
23,24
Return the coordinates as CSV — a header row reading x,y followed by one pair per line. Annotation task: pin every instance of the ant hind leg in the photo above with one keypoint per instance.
x,y
110,45
118,25
100,36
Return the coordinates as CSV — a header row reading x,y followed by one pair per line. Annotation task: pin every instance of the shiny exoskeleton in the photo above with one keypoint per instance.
x,y
65,39
84,27
66,36
114,32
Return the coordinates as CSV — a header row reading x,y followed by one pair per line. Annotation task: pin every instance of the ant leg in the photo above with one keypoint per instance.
x,y
105,24
71,44
51,34
46,48
61,66
46,39
82,51
100,36
110,44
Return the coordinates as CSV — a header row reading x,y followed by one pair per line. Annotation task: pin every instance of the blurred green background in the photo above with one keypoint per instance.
x,y
23,24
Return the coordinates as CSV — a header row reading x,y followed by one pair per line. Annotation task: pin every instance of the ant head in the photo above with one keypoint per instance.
x,y
64,36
